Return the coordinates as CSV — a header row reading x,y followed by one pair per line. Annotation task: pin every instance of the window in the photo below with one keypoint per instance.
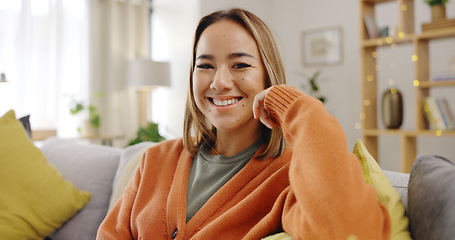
x,y
43,54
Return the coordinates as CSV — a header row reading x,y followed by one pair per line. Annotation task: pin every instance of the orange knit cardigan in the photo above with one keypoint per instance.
x,y
314,190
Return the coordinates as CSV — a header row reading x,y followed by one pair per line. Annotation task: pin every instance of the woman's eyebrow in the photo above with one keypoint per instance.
x,y
205,56
240,54
232,55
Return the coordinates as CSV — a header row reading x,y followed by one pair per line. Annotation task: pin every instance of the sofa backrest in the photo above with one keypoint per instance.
x,y
91,168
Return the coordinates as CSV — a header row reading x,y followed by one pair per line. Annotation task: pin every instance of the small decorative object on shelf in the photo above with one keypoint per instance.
x,y
371,26
438,9
392,108
438,16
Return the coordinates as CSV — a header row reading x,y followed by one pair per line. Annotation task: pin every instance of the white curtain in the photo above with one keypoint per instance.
x,y
119,32
43,53
53,51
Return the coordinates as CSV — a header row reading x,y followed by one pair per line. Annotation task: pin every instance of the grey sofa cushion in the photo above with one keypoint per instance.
x,y
400,182
431,195
91,168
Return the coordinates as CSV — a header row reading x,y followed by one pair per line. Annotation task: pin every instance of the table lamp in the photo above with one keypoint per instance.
x,y
144,75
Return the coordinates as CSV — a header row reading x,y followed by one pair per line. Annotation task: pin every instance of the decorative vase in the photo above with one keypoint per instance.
x,y
438,12
392,108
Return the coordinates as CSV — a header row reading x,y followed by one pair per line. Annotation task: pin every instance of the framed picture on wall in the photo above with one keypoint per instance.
x,y
322,46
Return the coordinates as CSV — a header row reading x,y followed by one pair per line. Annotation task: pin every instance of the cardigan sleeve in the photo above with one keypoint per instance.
x,y
329,198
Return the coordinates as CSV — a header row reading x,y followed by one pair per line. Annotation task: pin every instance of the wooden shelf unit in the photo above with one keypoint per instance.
x,y
369,89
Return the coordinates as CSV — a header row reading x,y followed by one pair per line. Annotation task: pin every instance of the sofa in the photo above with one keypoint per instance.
x,y
64,188
104,172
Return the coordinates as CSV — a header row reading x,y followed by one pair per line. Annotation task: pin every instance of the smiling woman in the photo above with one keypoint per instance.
x,y
236,63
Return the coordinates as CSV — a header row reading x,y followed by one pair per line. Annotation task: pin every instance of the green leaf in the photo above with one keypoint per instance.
x,y
77,108
436,2
149,133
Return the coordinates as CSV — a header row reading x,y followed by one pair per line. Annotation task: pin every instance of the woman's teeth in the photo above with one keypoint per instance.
x,y
223,103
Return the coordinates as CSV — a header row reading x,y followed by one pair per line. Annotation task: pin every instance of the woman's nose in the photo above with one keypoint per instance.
x,y
223,79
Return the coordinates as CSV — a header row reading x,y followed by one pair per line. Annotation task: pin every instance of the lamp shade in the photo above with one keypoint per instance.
x,y
146,74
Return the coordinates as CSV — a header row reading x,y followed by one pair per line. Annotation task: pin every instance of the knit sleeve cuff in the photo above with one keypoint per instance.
x,y
278,101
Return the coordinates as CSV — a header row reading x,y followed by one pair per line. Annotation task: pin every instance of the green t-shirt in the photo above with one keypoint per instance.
x,y
210,172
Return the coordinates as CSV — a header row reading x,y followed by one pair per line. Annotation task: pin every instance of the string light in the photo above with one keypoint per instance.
x,y
414,58
416,83
367,102
391,82
388,40
358,126
404,7
369,78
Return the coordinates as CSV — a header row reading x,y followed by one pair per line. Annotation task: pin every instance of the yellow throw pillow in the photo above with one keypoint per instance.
x,y
34,198
386,193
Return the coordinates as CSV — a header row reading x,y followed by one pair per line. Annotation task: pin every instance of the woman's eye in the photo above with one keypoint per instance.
x,y
241,65
204,66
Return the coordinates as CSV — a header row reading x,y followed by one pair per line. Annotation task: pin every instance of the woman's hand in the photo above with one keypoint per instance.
x,y
259,111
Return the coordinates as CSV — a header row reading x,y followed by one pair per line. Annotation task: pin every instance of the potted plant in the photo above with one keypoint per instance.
x,y
91,123
149,133
311,87
438,9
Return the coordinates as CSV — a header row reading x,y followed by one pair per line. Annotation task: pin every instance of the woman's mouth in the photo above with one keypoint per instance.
x,y
225,102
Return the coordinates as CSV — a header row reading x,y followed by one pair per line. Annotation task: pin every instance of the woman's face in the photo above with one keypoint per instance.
x,y
228,73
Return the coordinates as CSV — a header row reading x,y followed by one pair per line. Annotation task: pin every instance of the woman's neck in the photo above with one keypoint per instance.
x,y
232,143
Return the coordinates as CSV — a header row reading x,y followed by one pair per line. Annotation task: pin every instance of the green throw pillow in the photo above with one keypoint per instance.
x,y
34,198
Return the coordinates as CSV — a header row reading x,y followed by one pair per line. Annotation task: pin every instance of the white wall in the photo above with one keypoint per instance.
x,y
173,25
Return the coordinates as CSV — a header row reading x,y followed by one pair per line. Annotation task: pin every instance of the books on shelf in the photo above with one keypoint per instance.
x,y
443,76
371,26
438,113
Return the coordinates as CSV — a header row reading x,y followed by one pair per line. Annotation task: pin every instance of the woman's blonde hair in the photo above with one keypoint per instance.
x,y
197,130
